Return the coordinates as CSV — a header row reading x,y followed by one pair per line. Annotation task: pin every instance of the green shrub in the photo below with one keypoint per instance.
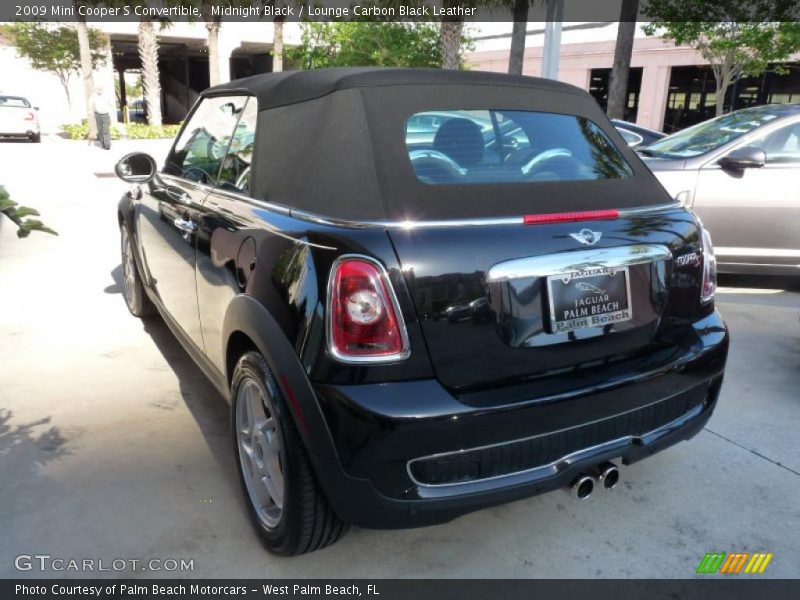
x,y
80,131
131,131
140,131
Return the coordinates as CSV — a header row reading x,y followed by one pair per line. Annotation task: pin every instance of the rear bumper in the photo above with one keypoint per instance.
x,y
411,454
20,129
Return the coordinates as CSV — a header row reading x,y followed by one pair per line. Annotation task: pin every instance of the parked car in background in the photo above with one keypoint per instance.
x,y
18,119
409,329
635,135
741,174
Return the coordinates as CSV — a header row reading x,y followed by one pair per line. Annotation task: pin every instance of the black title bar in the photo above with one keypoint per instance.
x,y
710,588
379,10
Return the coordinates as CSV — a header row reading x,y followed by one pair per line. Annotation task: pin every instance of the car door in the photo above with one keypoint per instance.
x,y
168,211
226,246
752,214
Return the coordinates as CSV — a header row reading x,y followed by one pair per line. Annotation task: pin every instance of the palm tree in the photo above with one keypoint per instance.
x,y
277,44
148,54
618,82
277,30
519,8
86,67
450,35
213,25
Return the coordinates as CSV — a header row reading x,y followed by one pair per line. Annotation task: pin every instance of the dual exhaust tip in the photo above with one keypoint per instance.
x,y
605,474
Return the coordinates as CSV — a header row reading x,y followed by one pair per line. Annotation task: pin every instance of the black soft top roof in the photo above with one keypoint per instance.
x,y
333,142
291,87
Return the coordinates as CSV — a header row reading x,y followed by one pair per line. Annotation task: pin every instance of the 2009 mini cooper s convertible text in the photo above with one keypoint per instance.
x,y
423,292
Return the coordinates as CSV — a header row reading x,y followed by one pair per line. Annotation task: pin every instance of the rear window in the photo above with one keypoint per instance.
x,y
509,146
14,102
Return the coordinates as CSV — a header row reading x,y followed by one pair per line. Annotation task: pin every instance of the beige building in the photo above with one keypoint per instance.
x,y
670,86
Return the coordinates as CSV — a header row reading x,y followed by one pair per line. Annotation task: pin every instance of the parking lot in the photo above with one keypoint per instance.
x,y
113,445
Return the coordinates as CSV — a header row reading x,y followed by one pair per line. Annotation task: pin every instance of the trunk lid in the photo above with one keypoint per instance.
x,y
504,303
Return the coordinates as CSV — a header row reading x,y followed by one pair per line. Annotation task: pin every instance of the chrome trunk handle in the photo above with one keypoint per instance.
x,y
577,260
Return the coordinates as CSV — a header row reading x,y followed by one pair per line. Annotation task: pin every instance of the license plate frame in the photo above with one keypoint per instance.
x,y
590,305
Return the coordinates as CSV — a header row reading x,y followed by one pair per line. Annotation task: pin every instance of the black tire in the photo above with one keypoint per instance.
x,y
306,522
132,287
36,138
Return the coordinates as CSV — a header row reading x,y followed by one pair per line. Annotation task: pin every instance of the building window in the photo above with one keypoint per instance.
x,y
598,87
692,99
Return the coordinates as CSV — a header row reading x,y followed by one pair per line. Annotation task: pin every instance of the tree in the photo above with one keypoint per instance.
x,y
737,39
620,71
151,83
519,34
451,30
20,216
87,68
55,49
213,25
364,43
277,44
277,30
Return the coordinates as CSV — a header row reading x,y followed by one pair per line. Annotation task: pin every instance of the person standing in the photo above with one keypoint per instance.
x,y
102,107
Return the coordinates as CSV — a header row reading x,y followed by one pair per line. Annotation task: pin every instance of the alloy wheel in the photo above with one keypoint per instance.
x,y
128,269
260,453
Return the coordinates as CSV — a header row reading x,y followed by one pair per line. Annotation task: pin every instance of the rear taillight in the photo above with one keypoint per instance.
x,y
30,117
709,287
364,321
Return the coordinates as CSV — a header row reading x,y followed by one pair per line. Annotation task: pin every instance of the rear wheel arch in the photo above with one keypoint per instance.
x,y
247,326
239,343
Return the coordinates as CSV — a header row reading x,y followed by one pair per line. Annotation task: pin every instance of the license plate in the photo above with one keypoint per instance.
x,y
594,297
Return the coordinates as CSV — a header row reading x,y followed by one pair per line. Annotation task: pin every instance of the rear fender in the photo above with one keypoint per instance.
x,y
249,317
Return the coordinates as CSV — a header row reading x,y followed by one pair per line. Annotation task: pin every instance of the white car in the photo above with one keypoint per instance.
x,y
18,118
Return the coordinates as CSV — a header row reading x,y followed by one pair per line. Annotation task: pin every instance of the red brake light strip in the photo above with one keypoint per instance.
x,y
564,217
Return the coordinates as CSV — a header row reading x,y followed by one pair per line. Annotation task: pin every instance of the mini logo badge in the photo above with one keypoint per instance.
x,y
586,236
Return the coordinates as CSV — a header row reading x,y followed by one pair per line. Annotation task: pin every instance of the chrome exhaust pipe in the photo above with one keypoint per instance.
x,y
582,487
607,475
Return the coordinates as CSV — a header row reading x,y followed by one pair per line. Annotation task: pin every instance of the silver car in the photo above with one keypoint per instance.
x,y
741,174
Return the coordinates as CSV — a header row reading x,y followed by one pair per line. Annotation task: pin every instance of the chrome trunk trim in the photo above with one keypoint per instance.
x,y
577,260
411,224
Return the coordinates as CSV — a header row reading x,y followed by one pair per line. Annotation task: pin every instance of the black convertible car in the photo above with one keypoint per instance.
x,y
409,325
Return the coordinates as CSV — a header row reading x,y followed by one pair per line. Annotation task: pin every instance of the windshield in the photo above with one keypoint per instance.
x,y
709,135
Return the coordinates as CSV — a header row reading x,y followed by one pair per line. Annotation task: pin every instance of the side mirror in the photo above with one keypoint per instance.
x,y
744,158
137,167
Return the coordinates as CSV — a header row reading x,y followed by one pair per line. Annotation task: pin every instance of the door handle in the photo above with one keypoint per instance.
x,y
178,195
185,225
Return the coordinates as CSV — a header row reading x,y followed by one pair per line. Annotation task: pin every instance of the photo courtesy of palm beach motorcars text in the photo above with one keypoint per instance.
x,y
158,590
424,299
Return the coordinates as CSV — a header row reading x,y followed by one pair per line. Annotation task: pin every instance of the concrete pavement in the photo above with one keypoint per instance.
x,y
113,445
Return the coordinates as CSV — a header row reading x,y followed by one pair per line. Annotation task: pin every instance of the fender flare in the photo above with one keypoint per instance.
x,y
248,316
